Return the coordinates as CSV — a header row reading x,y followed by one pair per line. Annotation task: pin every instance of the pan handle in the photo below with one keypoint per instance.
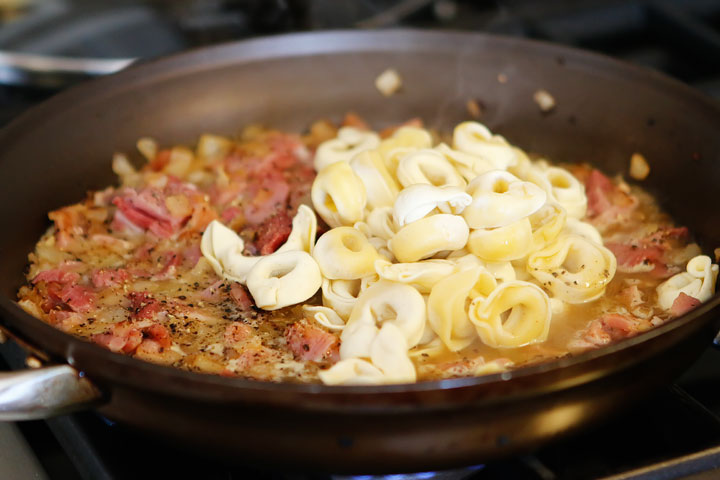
x,y
44,392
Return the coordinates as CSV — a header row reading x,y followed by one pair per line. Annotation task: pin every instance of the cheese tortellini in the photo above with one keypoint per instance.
x,y
573,268
697,282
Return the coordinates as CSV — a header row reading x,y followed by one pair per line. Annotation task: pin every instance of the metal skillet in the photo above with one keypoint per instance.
x,y
605,111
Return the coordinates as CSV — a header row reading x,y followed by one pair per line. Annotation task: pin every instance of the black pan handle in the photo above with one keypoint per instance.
x,y
44,392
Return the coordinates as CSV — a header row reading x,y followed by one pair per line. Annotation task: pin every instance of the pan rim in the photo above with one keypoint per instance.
x,y
263,48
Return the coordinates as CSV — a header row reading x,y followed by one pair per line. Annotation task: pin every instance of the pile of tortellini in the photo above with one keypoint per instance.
x,y
431,248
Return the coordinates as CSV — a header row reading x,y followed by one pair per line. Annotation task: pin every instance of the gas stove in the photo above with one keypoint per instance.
x,y
675,433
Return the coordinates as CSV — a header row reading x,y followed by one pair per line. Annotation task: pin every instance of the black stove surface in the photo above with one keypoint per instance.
x,y
674,434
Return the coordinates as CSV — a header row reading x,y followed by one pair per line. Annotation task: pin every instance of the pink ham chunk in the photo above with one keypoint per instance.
x,y
308,342
683,304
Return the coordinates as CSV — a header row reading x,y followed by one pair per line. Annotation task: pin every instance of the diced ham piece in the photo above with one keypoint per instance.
x,y
273,233
146,210
607,203
308,342
635,258
122,337
65,320
107,277
78,298
213,293
58,275
601,331
237,332
143,306
270,195
172,261
240,296
683,304
159,334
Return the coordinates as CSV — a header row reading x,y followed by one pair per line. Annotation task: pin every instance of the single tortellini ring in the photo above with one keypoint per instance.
x,y
327,317
584,229
349,142
475,138
383,303
389,352
417,201
499,198
380,186
573,268
381,223
352,371
283,279
345,253
467,165
341,295
514,315
429,167
502,244
567,191
447,312
698,281
419,275
338,195
561,187
428,236
430,349
392,158
406,137
547,223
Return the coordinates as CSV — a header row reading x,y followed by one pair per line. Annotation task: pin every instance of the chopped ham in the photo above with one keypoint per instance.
x,y
122,337
270,195
146,210
352,119
308,342
273,233
78,298
172,261
607,202
65,320
58,275
683,304
213,293
106,277
240,296
604,330
143,306
237,332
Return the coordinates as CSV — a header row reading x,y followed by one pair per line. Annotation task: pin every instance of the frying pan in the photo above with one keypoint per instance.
x,y
605,111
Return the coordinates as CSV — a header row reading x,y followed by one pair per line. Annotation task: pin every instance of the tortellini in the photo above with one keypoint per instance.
x,y
447,311
283,279
344,253
339,195
388,320
429,167
502,244
476,139
573,268
515,314
223,248
428,236
349,142
417,201
698,282
380,187
499,198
